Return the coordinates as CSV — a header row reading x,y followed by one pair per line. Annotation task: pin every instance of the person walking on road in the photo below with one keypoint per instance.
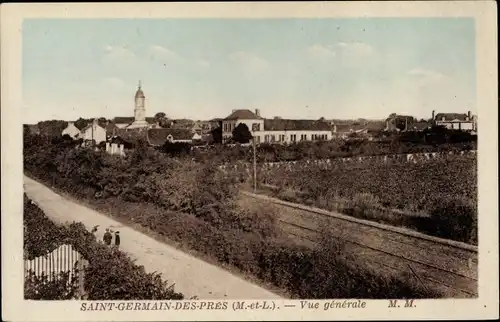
x,y
107,237
117,239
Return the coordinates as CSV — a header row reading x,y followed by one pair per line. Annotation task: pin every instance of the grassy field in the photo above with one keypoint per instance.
x,y
402,194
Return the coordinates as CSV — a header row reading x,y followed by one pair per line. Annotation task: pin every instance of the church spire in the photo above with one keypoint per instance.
x,y
139,84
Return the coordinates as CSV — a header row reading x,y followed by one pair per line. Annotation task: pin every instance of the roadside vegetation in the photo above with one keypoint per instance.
x,y
109,275
195,205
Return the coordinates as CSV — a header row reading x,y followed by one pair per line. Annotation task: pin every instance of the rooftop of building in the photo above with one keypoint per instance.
x,y
242,114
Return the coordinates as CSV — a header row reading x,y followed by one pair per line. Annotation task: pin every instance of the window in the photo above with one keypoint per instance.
x,y
256,127
303,137
257,139
273,138
266,138
282,138
293,137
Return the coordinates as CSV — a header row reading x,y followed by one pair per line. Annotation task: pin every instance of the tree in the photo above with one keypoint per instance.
x,y
241,133
216,135
52,127
81,123
162,119
160,115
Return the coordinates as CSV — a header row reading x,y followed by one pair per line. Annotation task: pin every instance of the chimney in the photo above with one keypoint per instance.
x,y
433,115
257,112
468,116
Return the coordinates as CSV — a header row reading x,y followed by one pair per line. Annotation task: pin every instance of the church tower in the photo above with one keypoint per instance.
x,y
139,110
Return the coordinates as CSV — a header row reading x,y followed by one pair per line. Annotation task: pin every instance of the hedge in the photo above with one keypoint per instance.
x,y
109,275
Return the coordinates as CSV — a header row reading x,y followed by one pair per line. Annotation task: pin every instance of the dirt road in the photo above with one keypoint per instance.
x,y
192,276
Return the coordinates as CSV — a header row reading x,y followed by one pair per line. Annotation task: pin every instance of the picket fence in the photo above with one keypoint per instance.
x,y
409,158
62,259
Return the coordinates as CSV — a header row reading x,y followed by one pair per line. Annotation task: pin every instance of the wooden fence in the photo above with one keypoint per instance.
x,y
398,158
62,259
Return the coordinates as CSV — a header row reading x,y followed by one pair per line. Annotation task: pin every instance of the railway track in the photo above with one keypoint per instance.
x,y
445,265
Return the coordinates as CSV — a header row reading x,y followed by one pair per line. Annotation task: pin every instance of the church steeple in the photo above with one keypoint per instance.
x,y
139,110
139,93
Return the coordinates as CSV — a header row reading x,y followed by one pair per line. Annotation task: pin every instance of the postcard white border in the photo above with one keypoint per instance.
x,y
14,308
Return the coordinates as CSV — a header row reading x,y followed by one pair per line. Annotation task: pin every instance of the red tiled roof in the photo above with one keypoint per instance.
x,y
131,136
123,120
160,136
375,126
347,128
421,125
242,114
290,125
130,119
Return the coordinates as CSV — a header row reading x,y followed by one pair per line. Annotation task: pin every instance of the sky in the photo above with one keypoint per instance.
x,y
292,68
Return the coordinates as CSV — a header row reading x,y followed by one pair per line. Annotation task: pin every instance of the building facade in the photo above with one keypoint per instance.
x,y
275,130
94,132
72,131
455,121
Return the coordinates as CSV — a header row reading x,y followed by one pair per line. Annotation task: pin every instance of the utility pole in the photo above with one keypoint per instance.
x,y
254,167
93,122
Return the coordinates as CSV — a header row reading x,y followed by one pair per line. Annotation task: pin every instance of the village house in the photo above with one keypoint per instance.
x,y
420,126
343,131
93,132
158,137
275,130
397,122
455,121
72,131
201,127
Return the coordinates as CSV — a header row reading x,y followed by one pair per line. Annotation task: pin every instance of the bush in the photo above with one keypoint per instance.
x,y
455,218
109,275
59,287
258,218
365,204
112,275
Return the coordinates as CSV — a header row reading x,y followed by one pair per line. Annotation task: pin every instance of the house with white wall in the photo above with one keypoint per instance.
x,y
94,132
276,130
455,121
253,121
72,131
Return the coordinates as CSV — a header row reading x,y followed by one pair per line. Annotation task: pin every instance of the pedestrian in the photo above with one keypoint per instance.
x,y
117,239
107,237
